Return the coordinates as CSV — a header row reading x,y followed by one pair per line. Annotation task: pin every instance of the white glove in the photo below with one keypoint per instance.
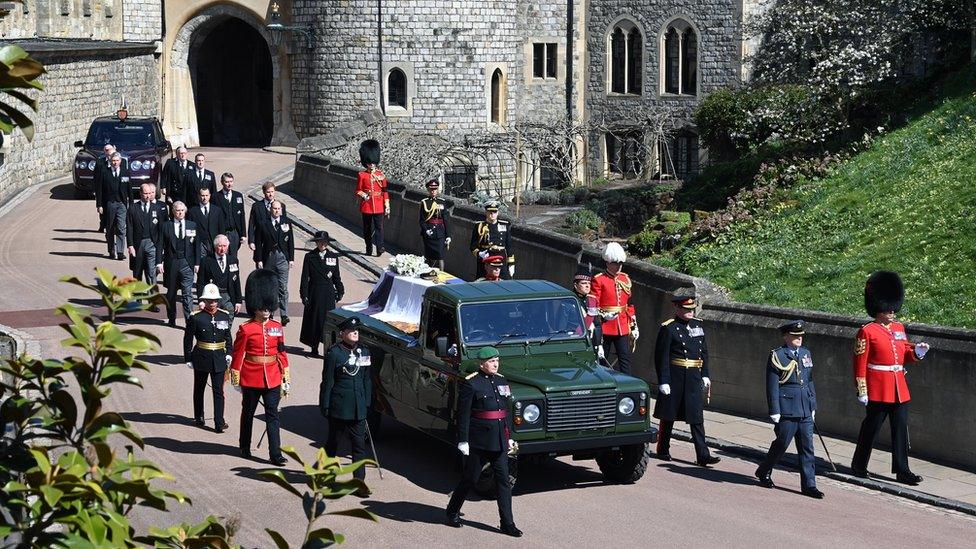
x,y
464,449
863,400
285,388
511,271
707,382
511,445
609,316
600,352
921,349
813,415
775,418
447,241
236,387
664,388
483,254
634,332
189,365
229,359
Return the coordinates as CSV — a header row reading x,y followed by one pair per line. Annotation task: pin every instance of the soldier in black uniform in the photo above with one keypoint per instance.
x,y
792,402
320,289
492,237
681,362
433,226
222,270
210,357
484,429
346,393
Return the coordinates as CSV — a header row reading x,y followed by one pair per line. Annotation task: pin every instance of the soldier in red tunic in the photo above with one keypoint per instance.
x,y
612,290
881,351
374,201
259,365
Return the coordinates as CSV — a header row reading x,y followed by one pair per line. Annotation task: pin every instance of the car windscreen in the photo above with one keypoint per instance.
x,y
530,319
124,135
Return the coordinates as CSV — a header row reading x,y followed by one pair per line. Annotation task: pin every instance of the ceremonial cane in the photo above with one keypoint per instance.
x,y
376,458
832,466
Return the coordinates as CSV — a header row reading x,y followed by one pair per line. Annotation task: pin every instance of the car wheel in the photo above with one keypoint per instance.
x,y
486,488
625,465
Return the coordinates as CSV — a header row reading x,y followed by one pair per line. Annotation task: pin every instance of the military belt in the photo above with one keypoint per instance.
x,y
614,309
489,414
261,359
208,346
886,368
687,363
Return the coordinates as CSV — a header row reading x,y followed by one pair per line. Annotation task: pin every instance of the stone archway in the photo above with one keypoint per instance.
x,y
201,43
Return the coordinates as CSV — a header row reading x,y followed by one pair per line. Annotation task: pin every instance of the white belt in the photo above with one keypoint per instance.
x,y
880,368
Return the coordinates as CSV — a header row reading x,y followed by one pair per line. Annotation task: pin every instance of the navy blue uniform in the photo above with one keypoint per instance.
x,y
345,395
208,363
791,394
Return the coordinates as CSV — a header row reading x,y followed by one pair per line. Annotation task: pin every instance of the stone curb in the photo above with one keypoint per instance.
x,y
754,454
26,343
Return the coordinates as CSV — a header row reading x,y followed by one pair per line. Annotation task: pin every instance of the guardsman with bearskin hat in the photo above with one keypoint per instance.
x,y
612,290
681,363
374,200
259,364
582,285
434,229
881,350
492,237
792,402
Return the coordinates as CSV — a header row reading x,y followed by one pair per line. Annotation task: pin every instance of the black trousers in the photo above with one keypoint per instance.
x,y
373,231
697,436
473,465
787,430
200,378
897,414
271,398
181,280
621,346
355,430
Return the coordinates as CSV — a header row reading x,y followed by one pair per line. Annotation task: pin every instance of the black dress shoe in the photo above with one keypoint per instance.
x,y
363,493
453,520
314,351
285,320
120,257
369,250
380,251
246,454
765,478
909,478
664,457
171,323
813,493
199,422
860,473
222,427
710,460
511,530
279,460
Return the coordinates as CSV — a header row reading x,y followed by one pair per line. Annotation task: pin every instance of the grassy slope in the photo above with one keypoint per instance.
x,y
907,204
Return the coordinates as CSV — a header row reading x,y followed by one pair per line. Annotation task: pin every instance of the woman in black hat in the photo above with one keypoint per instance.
x,y
321,288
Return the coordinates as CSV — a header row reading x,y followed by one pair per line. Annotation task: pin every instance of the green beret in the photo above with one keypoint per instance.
x,y
486,353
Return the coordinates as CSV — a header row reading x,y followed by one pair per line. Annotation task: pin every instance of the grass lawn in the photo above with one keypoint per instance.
x,y
907,204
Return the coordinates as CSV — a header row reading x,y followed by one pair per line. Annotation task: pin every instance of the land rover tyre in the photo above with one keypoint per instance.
x,y
486,482
626,464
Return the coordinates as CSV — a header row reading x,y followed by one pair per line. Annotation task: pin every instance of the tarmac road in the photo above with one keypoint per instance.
x,y
557,504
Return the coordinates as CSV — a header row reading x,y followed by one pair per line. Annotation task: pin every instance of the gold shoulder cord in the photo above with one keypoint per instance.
x,y
483,233
784,371
625,286
429,212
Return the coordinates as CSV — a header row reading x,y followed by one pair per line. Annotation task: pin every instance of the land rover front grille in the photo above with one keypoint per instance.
x,y
568,412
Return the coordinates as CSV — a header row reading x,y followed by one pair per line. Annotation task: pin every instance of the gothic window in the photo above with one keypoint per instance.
x,y
396,90
680,59
625,58
625,153
497,97
544,60
679,155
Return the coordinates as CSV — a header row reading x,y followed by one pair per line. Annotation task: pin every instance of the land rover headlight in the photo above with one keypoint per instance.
x,y
137,165
91,164
626,406
531,413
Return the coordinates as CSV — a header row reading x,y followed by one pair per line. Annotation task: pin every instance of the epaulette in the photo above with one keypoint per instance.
x,y
223,311
625,275
471,375
600,274
196,312
668,321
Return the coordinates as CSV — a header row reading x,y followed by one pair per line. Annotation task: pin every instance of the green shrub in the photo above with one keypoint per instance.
x,y
625,210
584,223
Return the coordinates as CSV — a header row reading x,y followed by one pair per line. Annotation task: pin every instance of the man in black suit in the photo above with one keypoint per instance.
x,y
276,252
199,178
172,180
179,260
144,224
101,164
114,203
233,203
261,211
210,220
222,270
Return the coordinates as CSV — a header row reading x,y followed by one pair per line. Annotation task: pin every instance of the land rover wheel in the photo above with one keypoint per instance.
x,y
626,464
486,482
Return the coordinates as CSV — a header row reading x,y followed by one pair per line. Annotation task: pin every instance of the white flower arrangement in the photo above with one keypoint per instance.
x,y
409,265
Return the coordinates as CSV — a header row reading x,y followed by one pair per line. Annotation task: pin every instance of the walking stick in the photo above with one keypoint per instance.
x,y
376,458
832,466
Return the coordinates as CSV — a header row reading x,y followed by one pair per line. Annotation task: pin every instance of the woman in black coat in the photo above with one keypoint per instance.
x,y
321,288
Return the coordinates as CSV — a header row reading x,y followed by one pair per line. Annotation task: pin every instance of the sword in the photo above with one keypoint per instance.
x,y
832,466
376,458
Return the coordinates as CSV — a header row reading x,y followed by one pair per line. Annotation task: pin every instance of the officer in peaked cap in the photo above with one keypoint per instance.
x,y
881,350
210,357
792,402
434,229
493,269
492,237
484,436
346,393
681,362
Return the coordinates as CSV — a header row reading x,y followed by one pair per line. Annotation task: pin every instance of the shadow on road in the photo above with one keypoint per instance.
x,y
294,477
164,360
78,254
66,191
409,511
77,231
157,418
198,447
705,473
554,475
95,240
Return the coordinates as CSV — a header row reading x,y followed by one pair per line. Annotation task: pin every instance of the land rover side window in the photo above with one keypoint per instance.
x,y
440,322
536,319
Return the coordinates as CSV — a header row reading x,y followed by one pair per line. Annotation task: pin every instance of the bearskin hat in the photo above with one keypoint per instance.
x,y
261,291
883,292
369,152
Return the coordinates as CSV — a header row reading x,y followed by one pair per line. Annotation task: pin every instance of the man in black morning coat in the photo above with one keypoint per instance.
x,y
178,260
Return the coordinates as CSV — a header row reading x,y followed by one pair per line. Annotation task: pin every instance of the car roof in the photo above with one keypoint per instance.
x,y
473,292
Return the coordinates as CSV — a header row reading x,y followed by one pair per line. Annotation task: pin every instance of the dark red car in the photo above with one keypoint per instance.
x,y
139,140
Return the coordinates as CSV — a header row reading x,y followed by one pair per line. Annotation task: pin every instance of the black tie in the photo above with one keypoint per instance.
x,y
181,230
206,211
221,263
201,175
145,208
